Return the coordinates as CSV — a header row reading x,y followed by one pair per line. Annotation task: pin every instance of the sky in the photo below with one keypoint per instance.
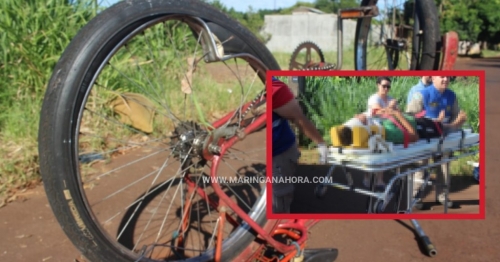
x,y
242,5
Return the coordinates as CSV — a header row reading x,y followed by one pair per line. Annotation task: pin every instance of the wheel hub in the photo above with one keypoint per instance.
x,y
187,142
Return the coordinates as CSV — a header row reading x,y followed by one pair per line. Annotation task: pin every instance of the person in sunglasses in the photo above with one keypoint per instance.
x,y
382,99
378,103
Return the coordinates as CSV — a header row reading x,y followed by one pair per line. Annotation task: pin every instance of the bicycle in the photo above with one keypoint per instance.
x,y
406,37
110,101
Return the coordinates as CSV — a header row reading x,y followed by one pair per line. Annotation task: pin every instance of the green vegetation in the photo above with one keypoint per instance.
x,y
490,53
330,101
473,20
36,32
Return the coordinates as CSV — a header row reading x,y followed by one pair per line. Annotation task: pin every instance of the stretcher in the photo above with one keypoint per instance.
x,y
465,142
442,150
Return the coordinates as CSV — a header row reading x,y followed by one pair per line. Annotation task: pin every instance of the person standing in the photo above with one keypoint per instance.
x,y
285,151
440,104
424,82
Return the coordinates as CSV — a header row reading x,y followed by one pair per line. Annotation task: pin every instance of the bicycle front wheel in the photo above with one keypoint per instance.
x,y
404,36
126,122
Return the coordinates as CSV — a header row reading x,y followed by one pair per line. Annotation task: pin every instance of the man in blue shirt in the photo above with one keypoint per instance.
x,y
424,82
440,104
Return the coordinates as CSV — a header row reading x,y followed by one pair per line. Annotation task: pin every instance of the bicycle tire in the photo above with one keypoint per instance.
x,y
425,59
65,93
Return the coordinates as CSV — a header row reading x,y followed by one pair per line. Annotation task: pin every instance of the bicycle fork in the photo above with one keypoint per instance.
x,y
351,13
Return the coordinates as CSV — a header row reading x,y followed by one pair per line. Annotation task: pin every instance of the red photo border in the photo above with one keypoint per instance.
x,y
482,84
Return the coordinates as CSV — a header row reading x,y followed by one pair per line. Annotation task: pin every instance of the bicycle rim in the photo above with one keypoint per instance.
x,y
142,101
404,36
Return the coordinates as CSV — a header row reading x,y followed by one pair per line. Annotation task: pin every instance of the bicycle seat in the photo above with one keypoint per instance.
x,y
320,254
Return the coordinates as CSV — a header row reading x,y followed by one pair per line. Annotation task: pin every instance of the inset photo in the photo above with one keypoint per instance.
x,y
348,145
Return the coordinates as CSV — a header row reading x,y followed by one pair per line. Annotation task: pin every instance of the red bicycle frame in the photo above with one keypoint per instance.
x,y
294,229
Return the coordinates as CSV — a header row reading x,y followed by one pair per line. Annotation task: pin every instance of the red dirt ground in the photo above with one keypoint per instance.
x,y
30,232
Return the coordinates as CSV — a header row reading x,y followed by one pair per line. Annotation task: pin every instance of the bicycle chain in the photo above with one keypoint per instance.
x,y
254,101
317,67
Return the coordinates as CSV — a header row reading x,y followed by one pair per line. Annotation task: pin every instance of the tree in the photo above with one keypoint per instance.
x,y
251,19
473,20
333,6
490,18
460,16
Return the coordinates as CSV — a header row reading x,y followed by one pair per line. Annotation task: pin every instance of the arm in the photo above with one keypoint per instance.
x,y
455,110
410,95
392,108
393,104
293,112
458,118
285,105
416,104
373,103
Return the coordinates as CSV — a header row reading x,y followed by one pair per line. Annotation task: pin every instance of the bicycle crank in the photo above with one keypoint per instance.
x,y
314,59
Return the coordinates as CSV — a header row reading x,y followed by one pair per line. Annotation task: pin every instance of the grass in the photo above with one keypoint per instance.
x,y
330,57
33,38
330,101
490,53
376,58
138,68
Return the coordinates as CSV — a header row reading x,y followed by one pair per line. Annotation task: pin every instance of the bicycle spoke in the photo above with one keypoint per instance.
x,y
152,98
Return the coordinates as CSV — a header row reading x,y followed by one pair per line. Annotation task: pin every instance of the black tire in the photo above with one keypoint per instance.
x,y
425,56
320,191
67,91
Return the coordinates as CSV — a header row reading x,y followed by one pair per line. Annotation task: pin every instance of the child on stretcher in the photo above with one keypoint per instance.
x,y
365,120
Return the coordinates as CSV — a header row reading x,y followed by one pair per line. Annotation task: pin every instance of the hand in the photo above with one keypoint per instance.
x,y
362,118
441,116
386,111
462,117
392,104
460,120
323,153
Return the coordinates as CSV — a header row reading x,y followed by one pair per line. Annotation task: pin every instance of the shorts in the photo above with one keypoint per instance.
x,y
285,165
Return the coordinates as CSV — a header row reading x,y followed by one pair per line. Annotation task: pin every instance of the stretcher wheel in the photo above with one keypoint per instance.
x,y
378,207
320,191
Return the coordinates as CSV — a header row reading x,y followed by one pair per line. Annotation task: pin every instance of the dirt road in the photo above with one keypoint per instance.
x,y
30,232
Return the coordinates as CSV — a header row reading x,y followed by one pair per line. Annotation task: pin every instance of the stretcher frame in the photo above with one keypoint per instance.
x,y
378,201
